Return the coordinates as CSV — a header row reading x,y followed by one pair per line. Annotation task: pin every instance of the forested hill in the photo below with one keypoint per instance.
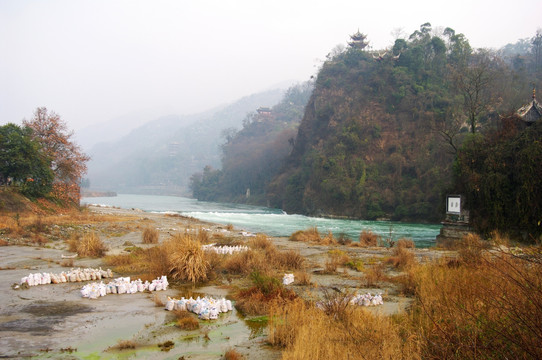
x,y
382,129
380,132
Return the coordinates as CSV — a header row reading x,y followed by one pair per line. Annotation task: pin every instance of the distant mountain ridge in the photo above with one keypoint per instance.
x,y
160,155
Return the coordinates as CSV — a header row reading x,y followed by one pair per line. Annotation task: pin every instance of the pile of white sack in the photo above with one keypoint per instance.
x,y
367,300
224,249
207,308
74,275
357,299
123,285
288,279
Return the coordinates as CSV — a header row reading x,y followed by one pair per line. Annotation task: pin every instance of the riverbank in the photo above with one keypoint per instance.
x,y
54,319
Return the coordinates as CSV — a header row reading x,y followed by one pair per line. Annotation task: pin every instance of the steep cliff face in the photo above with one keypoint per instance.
x,y
366,147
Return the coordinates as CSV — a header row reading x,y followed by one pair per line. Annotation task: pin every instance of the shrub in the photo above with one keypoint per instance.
x,y
232,354
309,235
186,321
368,238
261,242
470,249
329,239
302,278
335,304
154,260
186,259
334,260
150,236
245,262
356,264
89,245
405,243
402,257
374,275
343,239
289,259
266,291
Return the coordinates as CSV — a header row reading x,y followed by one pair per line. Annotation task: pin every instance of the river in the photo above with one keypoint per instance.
x,y
273,222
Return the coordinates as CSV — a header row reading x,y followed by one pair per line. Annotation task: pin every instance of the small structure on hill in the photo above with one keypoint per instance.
x,y
264,110
531,112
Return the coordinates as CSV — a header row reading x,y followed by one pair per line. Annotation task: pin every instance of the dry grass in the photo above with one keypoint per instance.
x,y
405,243
287,260
402,257
157,299
302,278
356,335
343,239
489,308
155,260
125,344
180,257
355,264
67,263
150,236
39,239
89,245
367,238
313,236
471,249
374,275
335,259
244,263
186,321
186,259
261,242
3,242
258,299
309,235
329,239
232,354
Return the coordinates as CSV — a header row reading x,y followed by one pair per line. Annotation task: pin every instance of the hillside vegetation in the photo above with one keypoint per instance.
x,y
254,155
382,129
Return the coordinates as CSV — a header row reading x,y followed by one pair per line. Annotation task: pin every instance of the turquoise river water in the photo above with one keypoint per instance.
x,y
273,222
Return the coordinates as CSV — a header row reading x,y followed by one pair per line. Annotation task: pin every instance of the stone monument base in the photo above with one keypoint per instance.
x,y
452,232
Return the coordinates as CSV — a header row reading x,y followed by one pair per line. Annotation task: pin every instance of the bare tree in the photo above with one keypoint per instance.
x,y
473,82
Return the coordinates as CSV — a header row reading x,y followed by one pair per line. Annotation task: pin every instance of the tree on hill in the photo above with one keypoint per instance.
x,y
474,81
499,172
68,162
23,163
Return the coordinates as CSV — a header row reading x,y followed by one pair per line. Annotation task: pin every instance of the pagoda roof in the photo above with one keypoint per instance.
x,y
358,36
531,112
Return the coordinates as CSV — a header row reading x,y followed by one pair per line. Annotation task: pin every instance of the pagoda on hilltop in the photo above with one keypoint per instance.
x,y
358,41
531,112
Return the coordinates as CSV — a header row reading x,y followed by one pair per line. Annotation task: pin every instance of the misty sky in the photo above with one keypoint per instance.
x,y
92,61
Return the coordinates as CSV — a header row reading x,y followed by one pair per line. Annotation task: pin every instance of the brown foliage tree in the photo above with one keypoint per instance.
x,y
68,160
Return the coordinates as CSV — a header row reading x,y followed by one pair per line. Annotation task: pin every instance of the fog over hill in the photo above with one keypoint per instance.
x,y
161,155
